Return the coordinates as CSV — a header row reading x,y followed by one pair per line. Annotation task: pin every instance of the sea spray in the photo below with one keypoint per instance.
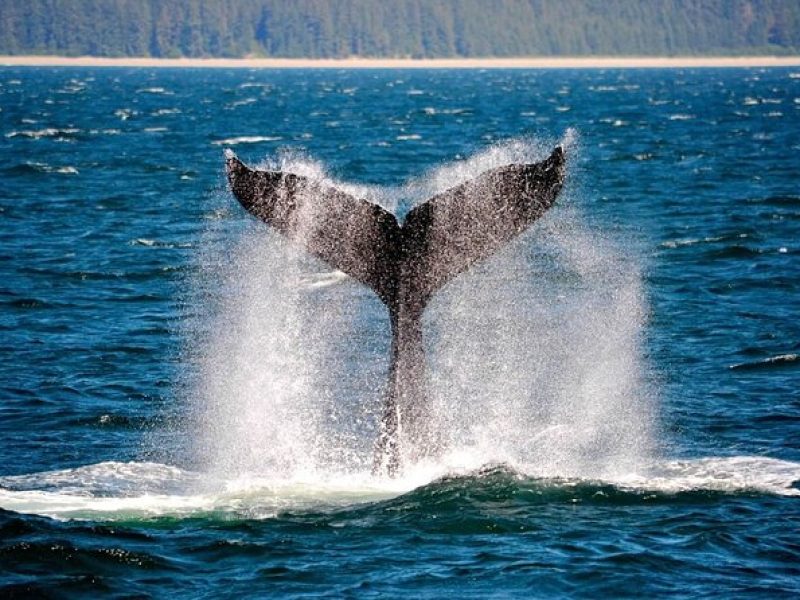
x,y
534,355
280,386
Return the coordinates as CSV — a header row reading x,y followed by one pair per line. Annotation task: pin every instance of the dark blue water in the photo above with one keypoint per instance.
x,y
620,387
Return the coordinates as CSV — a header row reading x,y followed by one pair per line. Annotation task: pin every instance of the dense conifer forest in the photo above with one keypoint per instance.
x,y
398,28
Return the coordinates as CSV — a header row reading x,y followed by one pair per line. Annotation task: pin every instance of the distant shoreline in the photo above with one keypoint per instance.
x,y
605,62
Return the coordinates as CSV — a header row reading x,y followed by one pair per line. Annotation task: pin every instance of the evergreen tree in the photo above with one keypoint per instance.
x,y
398,28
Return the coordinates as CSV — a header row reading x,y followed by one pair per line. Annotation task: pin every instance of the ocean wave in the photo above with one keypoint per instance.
x,y
117,421
48,132
682,242
150,243
166,111
243,102
246,139
778,361
154,90
40,167
777,200
732,251
131,275
147,490
29,303
125,113
73,87
429,110
105,131
254,84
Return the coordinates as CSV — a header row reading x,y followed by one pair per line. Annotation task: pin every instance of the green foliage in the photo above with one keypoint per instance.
x,y
398,28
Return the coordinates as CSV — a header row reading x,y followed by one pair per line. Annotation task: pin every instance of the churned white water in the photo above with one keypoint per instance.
x,y
133,491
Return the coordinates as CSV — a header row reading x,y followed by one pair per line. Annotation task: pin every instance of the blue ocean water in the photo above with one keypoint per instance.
x,y
188,404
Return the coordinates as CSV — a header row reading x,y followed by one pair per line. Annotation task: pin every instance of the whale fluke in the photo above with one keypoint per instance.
x,y
405,265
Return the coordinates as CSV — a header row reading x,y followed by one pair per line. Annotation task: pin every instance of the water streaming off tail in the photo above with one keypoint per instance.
x,y
285,382
534,356
536,359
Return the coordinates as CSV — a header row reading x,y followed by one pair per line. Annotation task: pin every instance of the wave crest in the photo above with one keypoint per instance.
x,y
144,490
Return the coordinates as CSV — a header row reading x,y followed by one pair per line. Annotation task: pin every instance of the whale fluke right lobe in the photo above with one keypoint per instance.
x,y
466,224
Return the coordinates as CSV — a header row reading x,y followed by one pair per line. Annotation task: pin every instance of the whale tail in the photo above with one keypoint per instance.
x,y
403,264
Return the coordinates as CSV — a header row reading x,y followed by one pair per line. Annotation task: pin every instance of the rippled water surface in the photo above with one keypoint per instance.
x,y
188,404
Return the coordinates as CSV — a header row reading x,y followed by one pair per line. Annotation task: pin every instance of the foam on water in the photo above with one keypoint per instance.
x,y
134,491
246,139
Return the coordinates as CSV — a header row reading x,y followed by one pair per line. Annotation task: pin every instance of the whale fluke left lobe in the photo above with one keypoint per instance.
x,y
355,236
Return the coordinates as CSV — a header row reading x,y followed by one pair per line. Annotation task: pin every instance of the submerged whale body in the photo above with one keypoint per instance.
x,y
403,264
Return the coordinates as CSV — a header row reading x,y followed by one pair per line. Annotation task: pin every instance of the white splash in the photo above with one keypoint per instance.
x,y
246,139
534,356
114,491
44,133
256,394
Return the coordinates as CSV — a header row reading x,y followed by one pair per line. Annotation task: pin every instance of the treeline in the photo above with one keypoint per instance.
x,y
398,28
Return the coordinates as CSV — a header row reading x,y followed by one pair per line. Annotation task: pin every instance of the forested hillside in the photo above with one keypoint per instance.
x,y
398,28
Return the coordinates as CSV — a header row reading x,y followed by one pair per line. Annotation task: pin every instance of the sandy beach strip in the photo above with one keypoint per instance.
x,y
606,62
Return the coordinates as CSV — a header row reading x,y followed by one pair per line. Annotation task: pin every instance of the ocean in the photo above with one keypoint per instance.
x,y
189,404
